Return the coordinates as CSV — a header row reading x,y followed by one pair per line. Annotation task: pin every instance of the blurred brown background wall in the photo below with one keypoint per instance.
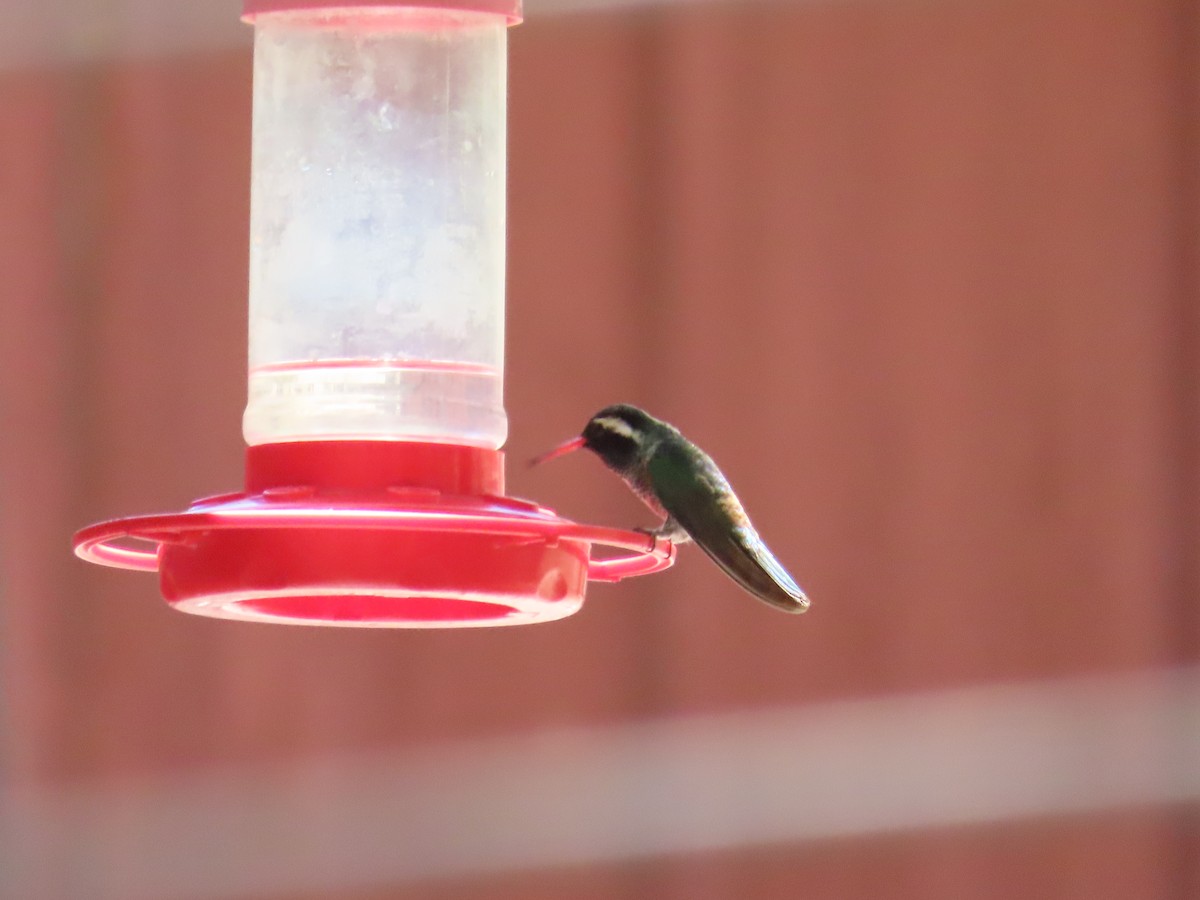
x,y
920,274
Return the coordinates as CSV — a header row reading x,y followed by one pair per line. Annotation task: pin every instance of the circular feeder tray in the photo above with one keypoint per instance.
x,y
372,533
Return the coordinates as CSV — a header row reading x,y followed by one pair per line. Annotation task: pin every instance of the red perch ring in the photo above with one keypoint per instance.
x,y
372,534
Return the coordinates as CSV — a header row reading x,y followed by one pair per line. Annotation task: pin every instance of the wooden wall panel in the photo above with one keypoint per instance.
x,y
921,277
35,421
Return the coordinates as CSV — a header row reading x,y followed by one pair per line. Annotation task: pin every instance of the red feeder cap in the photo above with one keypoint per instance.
x,y
510,9
372,533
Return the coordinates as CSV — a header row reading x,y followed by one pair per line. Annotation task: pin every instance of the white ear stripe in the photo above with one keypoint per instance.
x,y
621,427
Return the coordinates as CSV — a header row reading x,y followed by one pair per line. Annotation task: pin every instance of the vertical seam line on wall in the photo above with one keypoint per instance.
x,y
1184,70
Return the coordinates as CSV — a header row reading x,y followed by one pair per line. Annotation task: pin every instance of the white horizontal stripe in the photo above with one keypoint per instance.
x,y
611,794
57,32
54,32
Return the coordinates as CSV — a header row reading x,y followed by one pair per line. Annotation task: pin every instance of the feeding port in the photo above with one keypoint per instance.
x,y
374,488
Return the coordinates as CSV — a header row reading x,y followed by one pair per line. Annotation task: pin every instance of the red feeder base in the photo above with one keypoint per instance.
x,y
372,533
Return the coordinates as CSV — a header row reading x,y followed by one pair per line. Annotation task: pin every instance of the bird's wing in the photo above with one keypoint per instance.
x,y
706,508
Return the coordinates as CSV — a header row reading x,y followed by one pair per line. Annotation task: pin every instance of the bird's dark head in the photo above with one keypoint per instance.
x,y
618,434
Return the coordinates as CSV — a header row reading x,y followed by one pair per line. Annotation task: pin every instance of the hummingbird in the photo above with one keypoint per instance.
x,y
681,483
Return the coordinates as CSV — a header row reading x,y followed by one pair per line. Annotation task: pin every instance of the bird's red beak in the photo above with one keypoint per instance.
x,y
561,450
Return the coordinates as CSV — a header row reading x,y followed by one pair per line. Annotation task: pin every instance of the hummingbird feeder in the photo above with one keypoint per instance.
x,y
374,483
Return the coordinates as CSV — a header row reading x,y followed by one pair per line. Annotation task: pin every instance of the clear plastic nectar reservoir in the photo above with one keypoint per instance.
x,y
377,226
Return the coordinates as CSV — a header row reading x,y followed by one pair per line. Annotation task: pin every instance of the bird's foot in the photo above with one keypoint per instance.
x,y
669,530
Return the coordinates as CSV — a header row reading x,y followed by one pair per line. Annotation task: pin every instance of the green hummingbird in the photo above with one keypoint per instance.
x,y
681,483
